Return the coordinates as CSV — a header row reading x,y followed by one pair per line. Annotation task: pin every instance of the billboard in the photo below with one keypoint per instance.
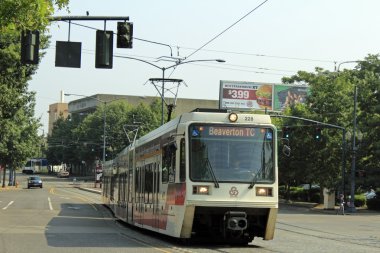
x,y
245,95
286,95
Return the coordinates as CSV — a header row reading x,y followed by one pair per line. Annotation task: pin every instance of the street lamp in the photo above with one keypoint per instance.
x,y
179,62
352,208
104,127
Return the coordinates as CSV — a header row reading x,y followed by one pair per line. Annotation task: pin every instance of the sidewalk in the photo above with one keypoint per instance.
x,y
316,207
88,186
10,188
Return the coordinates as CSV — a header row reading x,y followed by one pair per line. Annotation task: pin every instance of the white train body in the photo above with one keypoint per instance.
x,y
199,175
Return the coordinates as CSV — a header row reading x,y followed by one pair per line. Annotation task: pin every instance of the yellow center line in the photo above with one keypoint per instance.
x,y
77,196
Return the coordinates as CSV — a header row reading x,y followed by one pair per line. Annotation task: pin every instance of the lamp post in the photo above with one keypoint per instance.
x,y
352,208
104,127
163,69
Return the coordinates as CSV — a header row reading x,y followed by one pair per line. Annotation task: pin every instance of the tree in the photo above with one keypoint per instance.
x,y
74,140
18,128
331,101
368,81
328,102
63,142
26,14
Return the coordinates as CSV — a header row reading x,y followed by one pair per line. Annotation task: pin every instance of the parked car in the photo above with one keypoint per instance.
x,y
63,173
307,186
34,181
370,194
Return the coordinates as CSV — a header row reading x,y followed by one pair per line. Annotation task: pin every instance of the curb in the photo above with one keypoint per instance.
x,y
90,190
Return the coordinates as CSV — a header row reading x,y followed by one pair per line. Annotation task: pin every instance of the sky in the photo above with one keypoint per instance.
x,y
261,41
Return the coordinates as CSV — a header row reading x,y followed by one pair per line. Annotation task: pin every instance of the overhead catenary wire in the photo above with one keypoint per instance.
x,y
223,51
263,55
241,68
228,28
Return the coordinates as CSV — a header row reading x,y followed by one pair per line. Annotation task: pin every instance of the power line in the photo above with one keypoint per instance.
x,y
225,30
243,68
223,51
264,55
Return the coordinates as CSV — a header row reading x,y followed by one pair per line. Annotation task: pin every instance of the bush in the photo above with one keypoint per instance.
x,y
300,194
373,204
281,191
360,200
297,193
315,197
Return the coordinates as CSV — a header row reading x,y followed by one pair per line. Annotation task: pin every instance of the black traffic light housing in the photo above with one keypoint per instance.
x,y
286,132
30,45
124,34
104,49
318,134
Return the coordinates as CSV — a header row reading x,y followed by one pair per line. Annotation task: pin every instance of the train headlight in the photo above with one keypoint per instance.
x,y
233,117
264,191
201,189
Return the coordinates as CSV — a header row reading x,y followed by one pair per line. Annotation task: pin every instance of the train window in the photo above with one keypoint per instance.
x,y
182,161
148,183
172,168
216,150
130,189
168,163
157,177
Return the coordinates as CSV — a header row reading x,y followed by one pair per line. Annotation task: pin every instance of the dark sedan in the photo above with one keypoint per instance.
x,y
34,181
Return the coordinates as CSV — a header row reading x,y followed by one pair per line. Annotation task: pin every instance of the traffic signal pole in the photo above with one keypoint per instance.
x,y
328,126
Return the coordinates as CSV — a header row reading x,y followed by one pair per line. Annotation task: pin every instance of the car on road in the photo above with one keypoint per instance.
x,y
34,181
63,173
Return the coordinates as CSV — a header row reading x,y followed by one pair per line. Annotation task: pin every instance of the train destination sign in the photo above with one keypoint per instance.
x,y
231,131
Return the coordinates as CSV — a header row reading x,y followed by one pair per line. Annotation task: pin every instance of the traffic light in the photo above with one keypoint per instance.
x,y
124,34
104,49
318,134
286,132
30,44
360,173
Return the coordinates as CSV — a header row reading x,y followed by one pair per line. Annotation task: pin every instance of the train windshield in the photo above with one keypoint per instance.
x,y
232,153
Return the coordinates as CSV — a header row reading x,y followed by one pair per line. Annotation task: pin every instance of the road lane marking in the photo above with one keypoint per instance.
x,y
10,203
77,196
50,205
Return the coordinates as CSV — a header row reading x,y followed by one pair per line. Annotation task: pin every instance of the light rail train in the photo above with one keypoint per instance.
x,y
202,175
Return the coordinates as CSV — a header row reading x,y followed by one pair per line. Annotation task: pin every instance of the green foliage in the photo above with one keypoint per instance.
x,y
75,140
18,127
27,14
374,203
359,200
368,82
62,142
331,101
300,194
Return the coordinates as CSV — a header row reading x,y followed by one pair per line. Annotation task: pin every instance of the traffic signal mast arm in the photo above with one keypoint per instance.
x,y
329,126
311,121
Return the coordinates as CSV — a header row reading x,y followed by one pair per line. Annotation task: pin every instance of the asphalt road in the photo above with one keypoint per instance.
x,y
62,218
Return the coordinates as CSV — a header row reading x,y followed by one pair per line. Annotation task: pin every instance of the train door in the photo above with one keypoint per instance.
x,y
130,187
130,199
140,192
156,191
121,196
